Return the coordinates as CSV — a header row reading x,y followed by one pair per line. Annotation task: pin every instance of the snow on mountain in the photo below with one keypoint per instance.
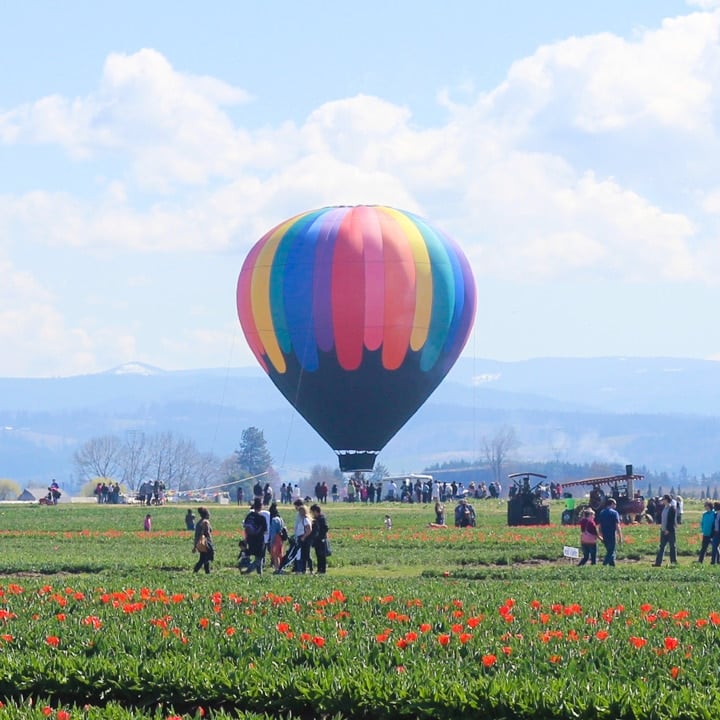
x,y
135,368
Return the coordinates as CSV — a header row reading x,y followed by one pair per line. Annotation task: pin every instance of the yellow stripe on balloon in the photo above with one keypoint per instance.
x,y
423,278
260,297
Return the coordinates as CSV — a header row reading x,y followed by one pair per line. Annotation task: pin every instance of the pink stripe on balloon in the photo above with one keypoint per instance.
x,y
348,294
372,243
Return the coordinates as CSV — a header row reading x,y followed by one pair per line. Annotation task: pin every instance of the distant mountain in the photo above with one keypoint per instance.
x,y
657,412
134,368
646,385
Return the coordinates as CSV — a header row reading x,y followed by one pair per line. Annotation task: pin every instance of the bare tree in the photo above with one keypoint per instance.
x,y
135,459
498,448
208,471
161,460
99,458
183,464
176,462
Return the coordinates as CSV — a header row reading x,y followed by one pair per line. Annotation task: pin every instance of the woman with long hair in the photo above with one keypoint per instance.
x,y
275,538
203,541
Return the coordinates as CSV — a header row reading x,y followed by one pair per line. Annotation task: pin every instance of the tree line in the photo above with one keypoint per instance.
x,y
135,457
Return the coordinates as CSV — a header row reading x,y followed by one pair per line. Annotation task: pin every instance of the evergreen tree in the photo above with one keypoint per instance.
x,y
253,456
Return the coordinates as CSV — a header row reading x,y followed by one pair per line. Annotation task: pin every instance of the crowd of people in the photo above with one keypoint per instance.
x,y
107,493
289,547
423,490
666,512
266,537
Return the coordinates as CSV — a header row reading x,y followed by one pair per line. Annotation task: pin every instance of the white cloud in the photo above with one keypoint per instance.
x,y
170,123
594,158
665,77
33,332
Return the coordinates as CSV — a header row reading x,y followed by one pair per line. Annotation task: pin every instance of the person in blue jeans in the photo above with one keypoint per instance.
x,y
668,524
707,522
715,539
608,521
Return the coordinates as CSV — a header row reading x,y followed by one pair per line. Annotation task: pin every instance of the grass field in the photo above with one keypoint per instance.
x,y
99,618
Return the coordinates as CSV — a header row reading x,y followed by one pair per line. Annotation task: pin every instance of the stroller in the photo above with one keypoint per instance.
x,y
288,559
244,561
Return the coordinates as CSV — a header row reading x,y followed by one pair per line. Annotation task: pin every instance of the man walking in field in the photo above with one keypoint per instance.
x,y
608,521
668,523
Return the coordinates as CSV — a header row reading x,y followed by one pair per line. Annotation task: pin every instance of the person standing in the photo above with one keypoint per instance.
x,y
203,541
609,522
265,512
668,523
707,522
303,532
715,555
678,510
190,520
147,525
319,541
256,530
276,537
588,537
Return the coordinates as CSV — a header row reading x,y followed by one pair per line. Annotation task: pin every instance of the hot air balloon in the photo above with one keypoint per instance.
x,y
356,314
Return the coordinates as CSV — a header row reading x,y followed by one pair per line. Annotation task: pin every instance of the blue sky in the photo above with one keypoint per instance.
x,y
571,148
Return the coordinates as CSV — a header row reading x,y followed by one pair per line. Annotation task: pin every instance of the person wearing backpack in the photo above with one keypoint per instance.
x,y
277,536
255,527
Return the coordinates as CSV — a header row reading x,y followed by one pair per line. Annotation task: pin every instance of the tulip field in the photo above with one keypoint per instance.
x,y
100,619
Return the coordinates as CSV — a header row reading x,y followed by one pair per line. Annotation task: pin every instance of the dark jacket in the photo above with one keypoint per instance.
x,y
203,528
320,530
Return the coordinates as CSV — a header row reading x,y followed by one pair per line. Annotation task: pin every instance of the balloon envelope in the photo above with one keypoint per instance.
x,y
356,314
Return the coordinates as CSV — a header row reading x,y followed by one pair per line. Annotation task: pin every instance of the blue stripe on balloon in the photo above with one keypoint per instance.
x,y
443,295
298,293
322,291
278,274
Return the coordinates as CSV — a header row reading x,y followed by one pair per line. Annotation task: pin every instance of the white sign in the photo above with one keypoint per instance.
x,y
571,552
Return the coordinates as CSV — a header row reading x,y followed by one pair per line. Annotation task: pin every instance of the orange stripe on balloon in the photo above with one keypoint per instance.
x,y
423,279
399,292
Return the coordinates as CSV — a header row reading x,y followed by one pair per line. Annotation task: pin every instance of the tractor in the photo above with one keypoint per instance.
x,y
525,504
629,503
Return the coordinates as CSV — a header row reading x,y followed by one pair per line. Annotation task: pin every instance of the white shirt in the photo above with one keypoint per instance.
x,y
300,524
266,515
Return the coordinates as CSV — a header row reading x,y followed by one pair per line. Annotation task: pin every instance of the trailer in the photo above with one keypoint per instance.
x,y
622,488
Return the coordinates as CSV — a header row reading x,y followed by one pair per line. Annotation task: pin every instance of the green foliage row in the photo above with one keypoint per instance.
x,y
97,616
